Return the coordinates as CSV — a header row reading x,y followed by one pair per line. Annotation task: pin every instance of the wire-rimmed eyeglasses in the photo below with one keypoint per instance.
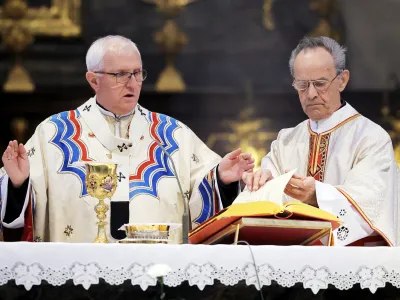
x,y
124,77
320,85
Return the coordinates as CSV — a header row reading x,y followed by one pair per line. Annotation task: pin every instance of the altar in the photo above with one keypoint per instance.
x,y
114,271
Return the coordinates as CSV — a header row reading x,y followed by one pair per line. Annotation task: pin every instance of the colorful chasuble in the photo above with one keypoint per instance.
x,y
58,207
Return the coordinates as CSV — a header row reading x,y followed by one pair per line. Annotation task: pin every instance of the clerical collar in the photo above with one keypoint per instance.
x,y
106,112
344,112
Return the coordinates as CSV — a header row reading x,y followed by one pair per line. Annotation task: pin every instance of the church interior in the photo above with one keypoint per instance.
x,y
221,67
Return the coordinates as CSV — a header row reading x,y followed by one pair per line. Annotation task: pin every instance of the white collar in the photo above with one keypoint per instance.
x,y
109,113
335,119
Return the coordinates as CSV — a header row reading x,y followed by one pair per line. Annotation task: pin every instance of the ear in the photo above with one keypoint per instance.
x,y
92,80
344,79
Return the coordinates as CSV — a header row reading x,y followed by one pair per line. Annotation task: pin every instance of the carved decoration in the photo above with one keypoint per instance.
x,y
19,24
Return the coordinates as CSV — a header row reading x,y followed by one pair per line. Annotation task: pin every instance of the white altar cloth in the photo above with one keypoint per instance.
x,y
314,267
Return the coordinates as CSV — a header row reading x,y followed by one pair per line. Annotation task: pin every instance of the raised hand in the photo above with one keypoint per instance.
x,y
16,163
233,165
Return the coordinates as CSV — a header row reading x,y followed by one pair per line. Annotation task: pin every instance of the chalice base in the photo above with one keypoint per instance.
x,y
101,233
101,241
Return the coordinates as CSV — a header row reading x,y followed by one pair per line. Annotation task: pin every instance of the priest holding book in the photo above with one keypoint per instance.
x,y
345,162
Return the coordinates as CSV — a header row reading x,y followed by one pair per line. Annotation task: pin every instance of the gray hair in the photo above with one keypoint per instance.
x,y
337,51
114,44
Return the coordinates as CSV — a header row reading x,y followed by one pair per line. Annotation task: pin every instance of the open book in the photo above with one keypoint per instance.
x,y
271,191
269,202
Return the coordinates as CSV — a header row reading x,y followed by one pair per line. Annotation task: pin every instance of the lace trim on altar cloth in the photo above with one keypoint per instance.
x,y
199,275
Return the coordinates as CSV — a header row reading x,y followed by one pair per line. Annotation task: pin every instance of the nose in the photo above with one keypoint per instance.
x,y
312,92
132,83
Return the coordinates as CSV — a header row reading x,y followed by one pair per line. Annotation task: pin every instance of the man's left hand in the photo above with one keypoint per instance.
x,y
233,165
303,189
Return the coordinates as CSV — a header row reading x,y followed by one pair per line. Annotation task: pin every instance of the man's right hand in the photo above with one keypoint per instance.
x,y
16,163
256,180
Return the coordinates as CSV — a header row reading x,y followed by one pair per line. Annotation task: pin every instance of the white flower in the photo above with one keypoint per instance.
x,y
158,270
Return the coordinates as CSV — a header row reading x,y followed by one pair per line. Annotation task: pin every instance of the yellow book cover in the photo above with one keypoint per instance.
x,y
269,201
285,211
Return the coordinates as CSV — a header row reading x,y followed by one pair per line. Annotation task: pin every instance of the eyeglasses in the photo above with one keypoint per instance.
x,y
320,85
124,77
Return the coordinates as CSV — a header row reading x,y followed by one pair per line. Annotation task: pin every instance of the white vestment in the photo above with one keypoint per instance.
x,y
62,209
356,174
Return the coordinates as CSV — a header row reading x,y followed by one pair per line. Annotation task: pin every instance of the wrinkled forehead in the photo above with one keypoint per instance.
x,y
314,64
122,60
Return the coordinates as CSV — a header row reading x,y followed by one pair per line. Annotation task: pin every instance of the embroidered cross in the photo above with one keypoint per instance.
x,y
87,107
68,230
37,239
195,158
122,147
31,151
120,176
141,111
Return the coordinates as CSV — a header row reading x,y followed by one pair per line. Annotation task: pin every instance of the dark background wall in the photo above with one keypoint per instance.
x,y
235,69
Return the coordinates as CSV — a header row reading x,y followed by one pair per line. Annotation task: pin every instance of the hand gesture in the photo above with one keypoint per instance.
x,y
233,165
16,163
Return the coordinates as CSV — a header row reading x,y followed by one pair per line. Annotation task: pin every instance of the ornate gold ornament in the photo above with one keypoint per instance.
x,y
249,133
268,19
19,24
323,8
171,40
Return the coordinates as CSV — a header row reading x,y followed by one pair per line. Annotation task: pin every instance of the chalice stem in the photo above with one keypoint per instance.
x,y
101,208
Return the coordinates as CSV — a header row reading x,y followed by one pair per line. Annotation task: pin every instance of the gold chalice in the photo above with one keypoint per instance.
x,y
101,182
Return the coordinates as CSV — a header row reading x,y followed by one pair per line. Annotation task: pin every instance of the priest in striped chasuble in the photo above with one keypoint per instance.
x,y
43,189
